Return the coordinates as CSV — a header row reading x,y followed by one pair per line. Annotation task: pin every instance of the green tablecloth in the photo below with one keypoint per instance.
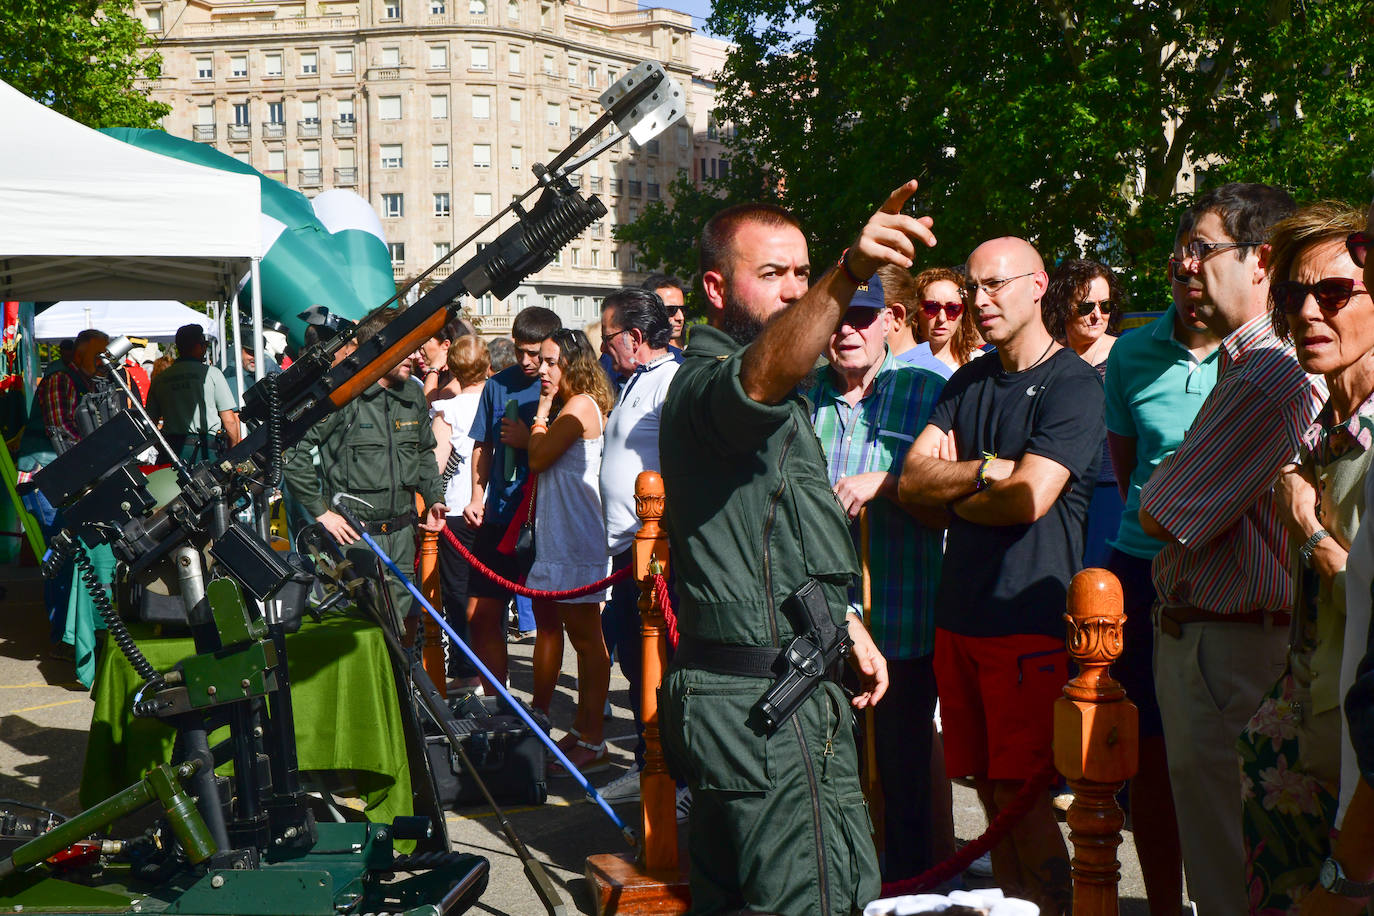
x,y
344,699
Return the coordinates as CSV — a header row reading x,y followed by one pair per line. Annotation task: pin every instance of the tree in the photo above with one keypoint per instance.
x,y
1072,124
83,58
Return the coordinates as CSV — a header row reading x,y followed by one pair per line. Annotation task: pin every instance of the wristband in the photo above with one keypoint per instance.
x,y
844,266
541,419
1311,543
982,482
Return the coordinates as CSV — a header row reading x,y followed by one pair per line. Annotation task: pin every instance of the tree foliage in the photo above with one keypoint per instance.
x,y
82,58
1071,123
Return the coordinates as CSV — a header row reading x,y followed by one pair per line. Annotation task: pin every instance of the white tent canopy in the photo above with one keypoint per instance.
x,y
156,320
86,216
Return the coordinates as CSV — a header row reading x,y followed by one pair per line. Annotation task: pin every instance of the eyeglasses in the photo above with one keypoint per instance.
x,y
931,309
1178,271
1332,294
1201,251
991,287
1357,243
1087,305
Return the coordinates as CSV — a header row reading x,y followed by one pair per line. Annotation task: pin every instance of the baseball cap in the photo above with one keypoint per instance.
x,y
869,295
188,336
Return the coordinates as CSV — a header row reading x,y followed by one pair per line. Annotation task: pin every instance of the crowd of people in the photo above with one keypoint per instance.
x,y
971,437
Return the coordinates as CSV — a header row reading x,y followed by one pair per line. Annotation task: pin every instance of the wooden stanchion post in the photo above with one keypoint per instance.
x,y
653,882
1096,734
432,655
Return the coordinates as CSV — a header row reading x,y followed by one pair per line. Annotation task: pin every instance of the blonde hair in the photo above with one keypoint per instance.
x,y
469,359
1320,223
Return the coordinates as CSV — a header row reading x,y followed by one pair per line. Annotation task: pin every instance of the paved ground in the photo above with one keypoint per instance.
x,y
45,715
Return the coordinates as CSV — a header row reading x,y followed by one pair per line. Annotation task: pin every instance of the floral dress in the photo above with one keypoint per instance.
x,y
1290,750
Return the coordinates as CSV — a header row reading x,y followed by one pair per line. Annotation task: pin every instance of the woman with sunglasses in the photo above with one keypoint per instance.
x,y
1290,750
943,326
1082,310
570,535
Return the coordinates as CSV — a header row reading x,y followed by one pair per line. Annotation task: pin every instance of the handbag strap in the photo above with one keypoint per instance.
x,y
529,514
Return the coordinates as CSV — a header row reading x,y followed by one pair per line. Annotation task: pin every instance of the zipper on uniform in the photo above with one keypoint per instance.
x,y
823,874
767,534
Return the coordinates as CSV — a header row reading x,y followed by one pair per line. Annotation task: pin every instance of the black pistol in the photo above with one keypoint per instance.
x,y
818,645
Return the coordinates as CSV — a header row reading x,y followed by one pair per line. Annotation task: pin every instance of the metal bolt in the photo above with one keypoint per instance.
x,y
257,731
244,683
217,881
211,690
291,833
125,506
185,561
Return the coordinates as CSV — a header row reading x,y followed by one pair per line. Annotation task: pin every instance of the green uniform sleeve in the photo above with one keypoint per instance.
x,y
298,471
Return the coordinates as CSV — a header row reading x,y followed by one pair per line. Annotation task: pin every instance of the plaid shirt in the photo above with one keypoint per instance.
x,y
1214,493
874,435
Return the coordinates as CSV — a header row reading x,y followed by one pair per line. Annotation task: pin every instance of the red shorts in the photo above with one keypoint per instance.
x,y
997,698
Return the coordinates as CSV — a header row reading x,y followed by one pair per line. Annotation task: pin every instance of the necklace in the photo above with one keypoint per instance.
x,y
1042,357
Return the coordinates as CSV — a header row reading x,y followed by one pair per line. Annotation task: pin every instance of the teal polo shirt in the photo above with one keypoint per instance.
x,y
1154,389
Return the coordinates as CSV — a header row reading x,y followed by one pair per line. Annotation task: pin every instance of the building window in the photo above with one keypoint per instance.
x,y
276,160
596,257
272,64
513,10
576,261
577,305
205,114
438,107
481,205
205,68
389,108
481,155
550,302
515,109
348,157
393,206
513,63
591,77
481,58
477,7
241,114
440,156
310,63
437,7
517,158
521,302
548,64
552,113
346,110
441,205
343,60
391,9
438,57
155,19
238,65
310,158
391,156
684,136
391,57
558,258
712,131
441,250
615,258
572,72
310,112
398,253
481,107
274,113
545,15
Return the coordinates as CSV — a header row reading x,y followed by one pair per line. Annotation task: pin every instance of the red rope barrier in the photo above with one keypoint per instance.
x,y
666,606
1001,825
569,594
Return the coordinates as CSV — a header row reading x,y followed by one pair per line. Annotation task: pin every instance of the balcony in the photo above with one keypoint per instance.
x,y
346,177
345,128
308,129
653,191
636,188
294,26
596,182
240,131
274,130
205,132
384,73
308,178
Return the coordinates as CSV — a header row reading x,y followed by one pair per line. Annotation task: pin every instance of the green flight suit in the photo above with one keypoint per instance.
x,y
380,447
779,823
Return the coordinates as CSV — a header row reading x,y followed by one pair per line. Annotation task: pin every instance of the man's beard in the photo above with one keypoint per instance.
x,y
738,323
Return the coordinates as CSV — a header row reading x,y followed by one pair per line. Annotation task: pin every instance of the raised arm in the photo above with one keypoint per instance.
x,y
789,345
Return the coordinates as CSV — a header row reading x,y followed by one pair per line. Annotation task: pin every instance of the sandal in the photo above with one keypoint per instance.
x,y
600,759
568,741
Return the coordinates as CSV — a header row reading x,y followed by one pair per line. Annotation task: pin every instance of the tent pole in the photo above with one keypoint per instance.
x,y
259,369
238,363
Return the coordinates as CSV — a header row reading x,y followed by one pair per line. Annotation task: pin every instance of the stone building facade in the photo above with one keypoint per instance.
x,y
435,110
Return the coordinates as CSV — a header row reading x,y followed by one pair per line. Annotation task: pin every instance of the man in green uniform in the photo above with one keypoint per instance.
x,y
778,820
380,448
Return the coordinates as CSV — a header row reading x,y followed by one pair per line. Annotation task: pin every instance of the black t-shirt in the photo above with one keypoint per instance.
x,y
1007,579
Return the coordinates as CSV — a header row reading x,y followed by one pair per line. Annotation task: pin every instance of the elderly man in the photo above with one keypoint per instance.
x,y
193,400
634,335
865,405
778,822
1222,576
1013,448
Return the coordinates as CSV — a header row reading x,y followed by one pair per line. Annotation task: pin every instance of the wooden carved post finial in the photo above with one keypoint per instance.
x,y
657,793
1095,740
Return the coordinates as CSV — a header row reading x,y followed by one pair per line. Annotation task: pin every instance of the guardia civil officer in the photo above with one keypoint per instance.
x,y
379,447
778,820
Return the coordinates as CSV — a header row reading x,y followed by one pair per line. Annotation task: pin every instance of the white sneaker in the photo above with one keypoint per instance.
x,y
684,804
982,866
623,788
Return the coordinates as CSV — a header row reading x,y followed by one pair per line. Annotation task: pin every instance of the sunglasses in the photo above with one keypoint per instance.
x,y
1177,270
1332,294
931,309
1086,307
860,318
672,309
1357,243
1200,251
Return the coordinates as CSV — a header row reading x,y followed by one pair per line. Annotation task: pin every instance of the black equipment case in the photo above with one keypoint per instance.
x,y
509,757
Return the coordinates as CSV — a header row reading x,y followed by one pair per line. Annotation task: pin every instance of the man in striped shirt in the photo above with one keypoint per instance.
x,y
866,407
1222,577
